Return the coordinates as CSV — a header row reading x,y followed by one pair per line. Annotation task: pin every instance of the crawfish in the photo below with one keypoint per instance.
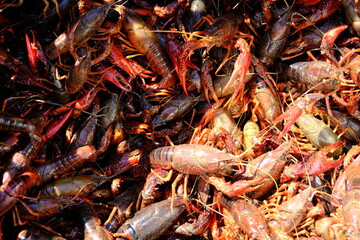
x,y
318,132
352,14
223,124
317,163
221,32
44,206
37,234
79,186
125,203
151,222
32,126
190,159
8,144
251,129
275,39
248,217
347,122
175,108
290,213
270,166
67,162
17,187
92,224
268,101
146,42
79,73
20,160
81,32
316,75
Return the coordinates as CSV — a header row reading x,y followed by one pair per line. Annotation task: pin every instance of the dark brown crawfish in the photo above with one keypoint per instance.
x,y
44,206
125,204
67,162
82,31
79,73
274,41
32,126
146,42
92,224
174,109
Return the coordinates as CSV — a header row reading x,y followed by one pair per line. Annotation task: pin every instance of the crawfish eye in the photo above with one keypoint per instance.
x,y
222,164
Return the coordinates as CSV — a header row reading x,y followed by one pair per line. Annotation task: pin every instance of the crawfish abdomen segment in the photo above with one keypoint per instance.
x,y
190,158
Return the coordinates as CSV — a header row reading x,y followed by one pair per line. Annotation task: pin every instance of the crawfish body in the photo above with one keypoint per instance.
x,y
248,217
268,101
318,132
317,75
352,14
67,162
146,42
85,28
190,159
79,186
19,186
275,39
15,124
92,224
151,222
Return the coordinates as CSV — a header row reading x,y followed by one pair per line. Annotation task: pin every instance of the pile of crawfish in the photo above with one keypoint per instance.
x,y
190,119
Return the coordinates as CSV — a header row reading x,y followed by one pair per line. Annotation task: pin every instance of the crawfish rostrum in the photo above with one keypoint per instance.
x,y
182,119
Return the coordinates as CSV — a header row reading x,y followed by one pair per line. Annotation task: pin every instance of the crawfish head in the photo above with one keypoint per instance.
x,y
223,29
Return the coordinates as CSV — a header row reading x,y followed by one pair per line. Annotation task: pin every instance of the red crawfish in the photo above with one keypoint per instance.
x,y
202,160
20,160
17,187
289,214
295,111
248,217
317,163
269,166
190,159
151,222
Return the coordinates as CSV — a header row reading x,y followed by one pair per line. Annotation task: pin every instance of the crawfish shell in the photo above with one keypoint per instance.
x,y
317,75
